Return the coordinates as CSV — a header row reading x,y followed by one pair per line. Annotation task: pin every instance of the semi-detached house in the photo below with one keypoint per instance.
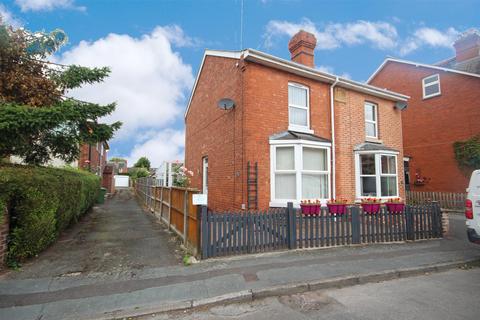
x,y
293,133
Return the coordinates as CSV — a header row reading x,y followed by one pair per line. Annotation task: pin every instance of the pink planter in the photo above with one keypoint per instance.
x,y
310,209
371,208
335,208
395,207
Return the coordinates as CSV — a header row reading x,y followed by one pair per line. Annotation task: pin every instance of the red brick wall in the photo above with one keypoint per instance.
x,y
108,181
431,126
266,105
350,132
217,134
4,229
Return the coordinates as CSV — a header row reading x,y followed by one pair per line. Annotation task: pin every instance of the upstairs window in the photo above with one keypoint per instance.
x,y
298,108
431,86
371,120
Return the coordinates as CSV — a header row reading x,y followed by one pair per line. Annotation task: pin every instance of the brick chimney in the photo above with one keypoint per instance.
x,y
467,45
301,48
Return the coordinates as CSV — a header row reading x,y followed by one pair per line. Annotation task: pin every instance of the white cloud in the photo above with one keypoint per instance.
x,y
378,34
149,81
8,18
47,5
429,37
164,145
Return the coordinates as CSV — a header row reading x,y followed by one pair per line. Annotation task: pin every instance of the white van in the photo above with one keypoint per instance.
x,y
472,208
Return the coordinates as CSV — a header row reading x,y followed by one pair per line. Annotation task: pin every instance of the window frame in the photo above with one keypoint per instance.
x,y
298,146
296,127
374,122
378,173
425,96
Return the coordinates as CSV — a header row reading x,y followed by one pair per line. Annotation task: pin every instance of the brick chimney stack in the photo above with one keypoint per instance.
x,y
301,48
467,45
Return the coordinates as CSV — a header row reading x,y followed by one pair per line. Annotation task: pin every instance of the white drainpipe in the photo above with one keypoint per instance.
x,y
332,113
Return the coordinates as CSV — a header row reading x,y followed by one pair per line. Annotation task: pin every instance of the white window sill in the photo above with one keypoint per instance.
x,y
372,139
296,204
300,129
432,96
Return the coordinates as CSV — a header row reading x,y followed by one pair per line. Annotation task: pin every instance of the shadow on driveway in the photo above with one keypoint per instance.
x,y
114,237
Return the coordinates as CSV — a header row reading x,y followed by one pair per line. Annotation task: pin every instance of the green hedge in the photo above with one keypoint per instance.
x,y
42,202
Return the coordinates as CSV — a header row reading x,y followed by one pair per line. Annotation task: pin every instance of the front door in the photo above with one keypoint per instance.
x,y
406,172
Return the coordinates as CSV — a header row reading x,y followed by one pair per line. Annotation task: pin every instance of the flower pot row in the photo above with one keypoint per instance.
x,y
341,208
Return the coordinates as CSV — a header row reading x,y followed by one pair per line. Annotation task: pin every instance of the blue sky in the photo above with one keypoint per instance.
x,y
155,47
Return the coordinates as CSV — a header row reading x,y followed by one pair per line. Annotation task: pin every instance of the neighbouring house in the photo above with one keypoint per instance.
x,y
260,131
120,165
444,107
93,157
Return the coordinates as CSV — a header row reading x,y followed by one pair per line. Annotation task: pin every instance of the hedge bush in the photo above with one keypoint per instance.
x,y
42,202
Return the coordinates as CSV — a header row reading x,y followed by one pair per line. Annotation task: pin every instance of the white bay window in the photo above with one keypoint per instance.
x,y
376,174
299,171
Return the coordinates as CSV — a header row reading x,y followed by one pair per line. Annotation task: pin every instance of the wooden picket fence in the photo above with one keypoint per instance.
x,y
231,233
174,207
447,200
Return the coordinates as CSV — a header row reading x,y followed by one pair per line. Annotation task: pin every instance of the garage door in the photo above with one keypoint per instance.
x,y
121,181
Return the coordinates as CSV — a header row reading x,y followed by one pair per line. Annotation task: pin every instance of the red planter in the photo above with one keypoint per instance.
x,y
371,208
395,207
337,208
310,209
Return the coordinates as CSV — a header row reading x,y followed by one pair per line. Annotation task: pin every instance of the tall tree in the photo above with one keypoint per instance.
x,y
143,162
37,121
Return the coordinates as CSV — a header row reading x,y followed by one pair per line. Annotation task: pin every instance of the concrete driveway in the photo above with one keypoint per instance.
x,y
114,237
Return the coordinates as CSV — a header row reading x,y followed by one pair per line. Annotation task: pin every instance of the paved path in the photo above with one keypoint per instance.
x,y
448,295
101,295
114,237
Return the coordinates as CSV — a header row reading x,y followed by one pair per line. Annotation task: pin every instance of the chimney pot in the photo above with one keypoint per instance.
x,y
301,47
467,46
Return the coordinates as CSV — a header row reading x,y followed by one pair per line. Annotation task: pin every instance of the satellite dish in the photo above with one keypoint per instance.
x,y
226,104
400,105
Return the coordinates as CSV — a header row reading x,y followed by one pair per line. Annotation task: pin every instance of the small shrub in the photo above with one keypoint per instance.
x,y
42,202
467,153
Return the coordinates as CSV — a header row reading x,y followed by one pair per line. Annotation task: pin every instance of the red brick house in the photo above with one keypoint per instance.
x,y
287,118
93,157
444,107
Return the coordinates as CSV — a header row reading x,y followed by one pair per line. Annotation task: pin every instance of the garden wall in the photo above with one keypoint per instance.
x,y
42,202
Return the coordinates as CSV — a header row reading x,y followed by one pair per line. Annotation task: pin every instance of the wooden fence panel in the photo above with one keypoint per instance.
x,y
174,207
250,232
447,200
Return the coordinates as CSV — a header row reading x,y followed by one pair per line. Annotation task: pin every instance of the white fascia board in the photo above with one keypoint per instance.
x,y
372,90
299,69
416,64
214,53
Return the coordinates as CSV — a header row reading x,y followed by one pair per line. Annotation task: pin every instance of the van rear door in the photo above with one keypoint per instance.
x,y
474,196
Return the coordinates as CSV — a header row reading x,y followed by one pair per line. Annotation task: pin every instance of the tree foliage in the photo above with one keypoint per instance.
x,y
117,159
138,172
143,162
37,121
467,153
